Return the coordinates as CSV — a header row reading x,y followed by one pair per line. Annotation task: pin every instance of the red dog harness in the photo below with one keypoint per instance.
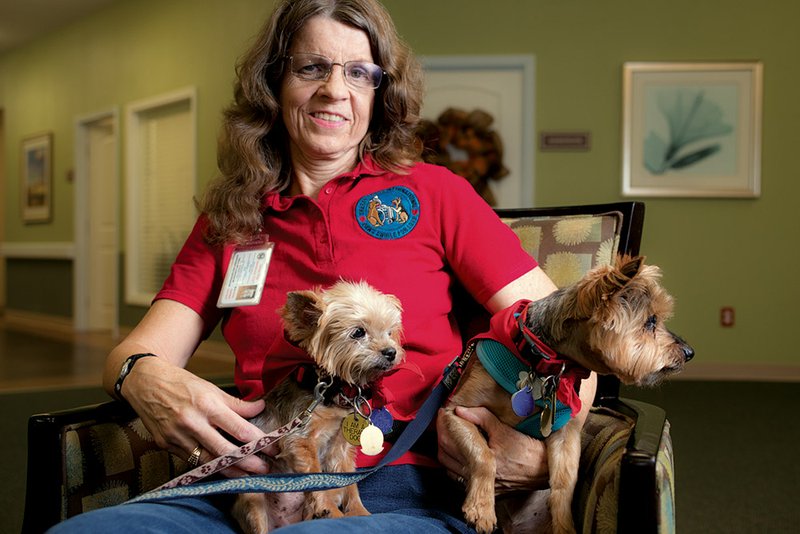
x,y
509,350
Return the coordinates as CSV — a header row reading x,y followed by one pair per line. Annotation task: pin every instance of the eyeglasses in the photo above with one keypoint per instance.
x,y
315,68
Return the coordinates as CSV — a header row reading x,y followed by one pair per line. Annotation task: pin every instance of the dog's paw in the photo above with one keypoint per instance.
x,y
482,518
325,513
322,510
563,525
356,509
250,511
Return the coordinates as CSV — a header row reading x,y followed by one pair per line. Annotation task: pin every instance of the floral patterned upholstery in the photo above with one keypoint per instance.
x,y
107,463
568,246
604,438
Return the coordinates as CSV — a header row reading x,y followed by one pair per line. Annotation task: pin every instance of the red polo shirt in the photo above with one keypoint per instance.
x,y
414,236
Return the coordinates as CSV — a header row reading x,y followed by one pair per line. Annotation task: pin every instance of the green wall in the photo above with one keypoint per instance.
x,y
714,252
41,286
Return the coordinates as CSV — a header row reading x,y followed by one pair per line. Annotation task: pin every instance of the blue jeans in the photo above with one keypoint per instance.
x,y
402,498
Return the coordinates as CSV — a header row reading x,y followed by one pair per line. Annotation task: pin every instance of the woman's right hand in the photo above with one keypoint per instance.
x,y
183,411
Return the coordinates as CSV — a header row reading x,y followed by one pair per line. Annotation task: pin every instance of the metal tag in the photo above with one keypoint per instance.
x,y
352,426
549,412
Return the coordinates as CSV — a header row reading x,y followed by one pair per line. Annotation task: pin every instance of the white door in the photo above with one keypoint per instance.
x,y
102,228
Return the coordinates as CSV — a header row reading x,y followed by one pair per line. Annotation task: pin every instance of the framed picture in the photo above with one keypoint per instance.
x,y
37,178
481,109
692,129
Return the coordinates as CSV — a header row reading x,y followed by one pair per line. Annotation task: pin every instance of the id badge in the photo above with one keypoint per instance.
x,y
246,275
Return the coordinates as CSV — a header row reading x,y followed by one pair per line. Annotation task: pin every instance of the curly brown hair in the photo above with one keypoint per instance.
x,y
253,155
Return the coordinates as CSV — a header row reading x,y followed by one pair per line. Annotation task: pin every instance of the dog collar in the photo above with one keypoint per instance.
x,y
505,368
339,393
508,327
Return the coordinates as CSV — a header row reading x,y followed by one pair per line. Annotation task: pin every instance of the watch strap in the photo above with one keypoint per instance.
x,y
125,370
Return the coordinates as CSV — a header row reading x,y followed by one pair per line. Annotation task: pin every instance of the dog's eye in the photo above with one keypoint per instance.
x,y
358,333
651,323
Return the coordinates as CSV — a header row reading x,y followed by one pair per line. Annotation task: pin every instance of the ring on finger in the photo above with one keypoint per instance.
x,y
194,458
461,480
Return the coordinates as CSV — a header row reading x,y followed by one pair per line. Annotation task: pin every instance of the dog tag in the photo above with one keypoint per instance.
x,y
371,440
524,379
545,423
548,418
352,427
536,388
522,402
382,419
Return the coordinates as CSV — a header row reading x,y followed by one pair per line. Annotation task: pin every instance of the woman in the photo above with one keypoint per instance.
x,y
318,156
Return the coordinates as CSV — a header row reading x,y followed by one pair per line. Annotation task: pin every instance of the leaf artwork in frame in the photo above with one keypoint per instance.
x,y
692,118
692,129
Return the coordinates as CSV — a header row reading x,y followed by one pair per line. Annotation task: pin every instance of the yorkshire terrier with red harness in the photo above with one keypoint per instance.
x,y
528,367
353,333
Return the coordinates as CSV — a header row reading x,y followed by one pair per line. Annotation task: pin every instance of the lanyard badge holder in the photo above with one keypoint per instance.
x,y
246,274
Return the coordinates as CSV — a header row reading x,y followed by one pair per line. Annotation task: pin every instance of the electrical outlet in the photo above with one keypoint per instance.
x,y
727,316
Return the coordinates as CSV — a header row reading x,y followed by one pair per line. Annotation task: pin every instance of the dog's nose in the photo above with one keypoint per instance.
x,y
688,352
389,353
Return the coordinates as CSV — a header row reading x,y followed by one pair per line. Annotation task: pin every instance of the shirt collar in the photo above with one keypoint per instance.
x,y
363,168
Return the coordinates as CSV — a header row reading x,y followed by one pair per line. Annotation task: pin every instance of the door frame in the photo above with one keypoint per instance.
x,y
83,220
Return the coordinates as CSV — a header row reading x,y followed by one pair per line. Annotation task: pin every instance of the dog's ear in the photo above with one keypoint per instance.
x,y
600,285
301,314
625,268
629,266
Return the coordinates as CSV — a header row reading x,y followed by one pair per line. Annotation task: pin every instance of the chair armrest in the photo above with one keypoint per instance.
x,y
646,436
46,469
88,457
640,491
626,468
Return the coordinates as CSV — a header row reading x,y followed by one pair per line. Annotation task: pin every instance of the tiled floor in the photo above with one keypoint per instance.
x,y
35,359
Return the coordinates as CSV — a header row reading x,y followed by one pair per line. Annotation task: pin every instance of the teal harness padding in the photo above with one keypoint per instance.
x,y
505,368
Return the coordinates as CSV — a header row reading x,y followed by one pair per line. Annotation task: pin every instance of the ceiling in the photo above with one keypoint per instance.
x,y
24,20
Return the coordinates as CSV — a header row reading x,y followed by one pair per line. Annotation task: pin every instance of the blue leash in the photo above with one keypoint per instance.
x,y
294,482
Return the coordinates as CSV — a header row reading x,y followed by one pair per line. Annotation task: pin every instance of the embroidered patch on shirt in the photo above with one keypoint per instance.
x,y
388,214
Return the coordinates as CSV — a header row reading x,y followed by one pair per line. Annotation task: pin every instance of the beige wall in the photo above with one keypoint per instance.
x,y
714,252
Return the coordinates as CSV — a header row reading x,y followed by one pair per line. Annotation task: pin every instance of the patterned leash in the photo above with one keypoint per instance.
x,y
187,486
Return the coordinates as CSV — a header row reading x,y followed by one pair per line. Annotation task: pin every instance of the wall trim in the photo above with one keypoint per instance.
x,y
48,250
210,348
219,350
720,371
38,322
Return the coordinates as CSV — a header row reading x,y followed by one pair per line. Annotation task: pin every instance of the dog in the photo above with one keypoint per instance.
x,y
610,322
353,333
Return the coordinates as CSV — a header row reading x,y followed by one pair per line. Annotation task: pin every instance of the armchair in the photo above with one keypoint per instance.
x,y
100,455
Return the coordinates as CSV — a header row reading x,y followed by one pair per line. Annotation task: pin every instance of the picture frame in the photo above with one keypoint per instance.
x,y
36,178
692,129
503,87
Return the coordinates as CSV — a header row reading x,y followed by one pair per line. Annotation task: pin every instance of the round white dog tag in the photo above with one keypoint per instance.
x,y
371,440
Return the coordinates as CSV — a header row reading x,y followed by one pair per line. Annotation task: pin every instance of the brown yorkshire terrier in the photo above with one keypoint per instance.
x,y
353,334
610,322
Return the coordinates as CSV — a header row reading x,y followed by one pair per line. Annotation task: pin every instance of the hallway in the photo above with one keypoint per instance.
x,y
32,359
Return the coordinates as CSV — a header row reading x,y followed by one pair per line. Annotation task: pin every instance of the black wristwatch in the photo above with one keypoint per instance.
x,y
127,365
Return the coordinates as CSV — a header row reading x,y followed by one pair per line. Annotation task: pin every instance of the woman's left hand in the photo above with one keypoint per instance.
x,y
521,460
